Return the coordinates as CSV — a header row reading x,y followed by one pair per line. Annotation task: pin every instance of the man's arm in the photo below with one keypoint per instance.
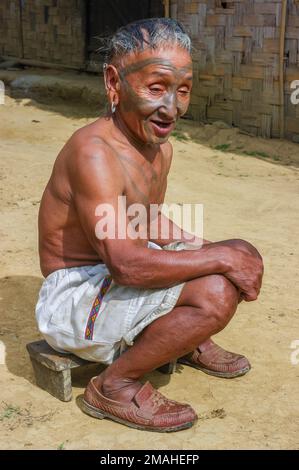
x,y
163,230
96,178
169,231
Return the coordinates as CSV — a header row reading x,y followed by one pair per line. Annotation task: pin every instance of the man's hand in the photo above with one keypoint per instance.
x,y
243,266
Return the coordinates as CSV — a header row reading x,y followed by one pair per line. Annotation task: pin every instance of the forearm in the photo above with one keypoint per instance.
x,y
168,232
149,268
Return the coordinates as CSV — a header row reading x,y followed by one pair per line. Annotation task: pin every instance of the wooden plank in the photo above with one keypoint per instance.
x,y
41,352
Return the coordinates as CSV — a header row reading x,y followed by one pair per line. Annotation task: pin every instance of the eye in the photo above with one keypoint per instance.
x,y
156,89
184,92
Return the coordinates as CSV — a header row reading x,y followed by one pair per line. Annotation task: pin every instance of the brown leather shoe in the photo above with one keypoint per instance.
x,y
214,360
149,410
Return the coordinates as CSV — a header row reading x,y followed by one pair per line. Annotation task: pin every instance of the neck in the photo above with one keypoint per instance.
x,y
147,150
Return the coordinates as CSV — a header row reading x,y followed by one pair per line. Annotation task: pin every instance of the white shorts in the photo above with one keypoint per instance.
x,y
81,310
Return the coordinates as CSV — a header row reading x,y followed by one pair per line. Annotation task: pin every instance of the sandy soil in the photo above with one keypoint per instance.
x,y
249,188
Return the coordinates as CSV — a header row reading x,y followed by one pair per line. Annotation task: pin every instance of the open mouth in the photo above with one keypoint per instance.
x,y
162,128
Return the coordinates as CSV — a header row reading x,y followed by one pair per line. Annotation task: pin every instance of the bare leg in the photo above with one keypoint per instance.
x,y
204,308
211,358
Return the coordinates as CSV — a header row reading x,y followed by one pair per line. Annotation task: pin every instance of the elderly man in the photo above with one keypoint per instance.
x,y
103,294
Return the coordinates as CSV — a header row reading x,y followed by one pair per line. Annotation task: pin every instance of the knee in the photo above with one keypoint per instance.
x,y
220,301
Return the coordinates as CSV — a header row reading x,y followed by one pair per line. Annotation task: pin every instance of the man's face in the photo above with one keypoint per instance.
x,y
155,87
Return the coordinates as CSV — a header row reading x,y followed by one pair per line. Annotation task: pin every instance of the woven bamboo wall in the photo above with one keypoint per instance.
x,y
53,30
236,60
236,53
10,39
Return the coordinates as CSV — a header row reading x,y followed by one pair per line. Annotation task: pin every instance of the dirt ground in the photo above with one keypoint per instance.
x,y
249,188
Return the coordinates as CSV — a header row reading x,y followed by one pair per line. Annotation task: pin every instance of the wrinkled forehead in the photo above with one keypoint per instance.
x,y
168,59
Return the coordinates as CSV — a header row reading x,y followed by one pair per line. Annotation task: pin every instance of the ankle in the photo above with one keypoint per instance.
x,y
117,388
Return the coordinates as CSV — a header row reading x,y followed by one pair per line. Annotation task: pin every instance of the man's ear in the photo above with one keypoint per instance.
x,y
112,83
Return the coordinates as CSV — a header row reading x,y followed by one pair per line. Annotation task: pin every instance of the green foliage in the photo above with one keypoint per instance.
x,y
222,147
179,136
9,411
256,153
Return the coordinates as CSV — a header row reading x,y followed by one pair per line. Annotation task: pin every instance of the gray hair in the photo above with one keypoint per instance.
x,y
150,33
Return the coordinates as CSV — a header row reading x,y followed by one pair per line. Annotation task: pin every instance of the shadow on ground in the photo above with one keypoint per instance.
x,y
18,297
72,109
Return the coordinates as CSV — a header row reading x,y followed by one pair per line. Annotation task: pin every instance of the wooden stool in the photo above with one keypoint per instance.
x,y
52,369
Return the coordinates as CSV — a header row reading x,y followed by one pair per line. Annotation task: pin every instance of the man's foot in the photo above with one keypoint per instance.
x,y
214,360
148,410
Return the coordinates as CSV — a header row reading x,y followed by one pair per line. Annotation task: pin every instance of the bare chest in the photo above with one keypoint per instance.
x,y
145,183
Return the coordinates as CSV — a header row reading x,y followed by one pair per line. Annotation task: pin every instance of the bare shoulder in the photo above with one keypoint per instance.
x,y
88,145
91,158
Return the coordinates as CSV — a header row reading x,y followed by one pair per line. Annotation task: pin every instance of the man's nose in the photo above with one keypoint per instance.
x,y
169,107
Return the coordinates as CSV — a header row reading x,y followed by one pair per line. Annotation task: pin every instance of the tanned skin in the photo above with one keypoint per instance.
x,y
128,154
